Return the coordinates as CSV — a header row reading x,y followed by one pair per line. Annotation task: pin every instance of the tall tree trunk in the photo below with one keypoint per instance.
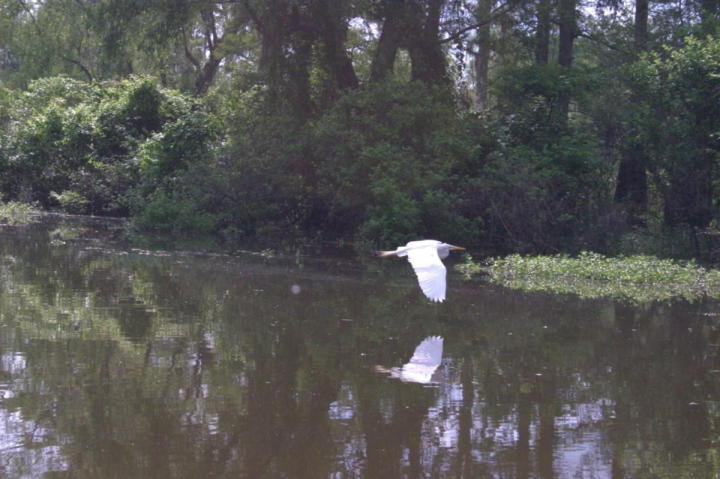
x,y
414,26
567,32
428,59
287,39
388,43
542,35
482,57
333,26
631,190
301,36
641,24
207,74
270,23
566,11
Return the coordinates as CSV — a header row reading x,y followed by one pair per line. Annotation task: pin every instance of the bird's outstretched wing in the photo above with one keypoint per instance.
x,y
430,271
428,352
425,360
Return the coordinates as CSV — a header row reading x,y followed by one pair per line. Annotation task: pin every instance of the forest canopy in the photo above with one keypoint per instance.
x,y
502,125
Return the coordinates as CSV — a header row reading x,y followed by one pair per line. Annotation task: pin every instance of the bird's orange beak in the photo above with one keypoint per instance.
x,y
453,247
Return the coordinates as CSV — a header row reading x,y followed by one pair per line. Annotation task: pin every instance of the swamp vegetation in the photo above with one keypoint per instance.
x,y
528,131
635,279
519,126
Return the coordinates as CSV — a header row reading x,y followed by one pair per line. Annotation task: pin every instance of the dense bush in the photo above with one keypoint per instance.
x,y
176,189
544,182
84,147
388,160
262,169
387,163
678,89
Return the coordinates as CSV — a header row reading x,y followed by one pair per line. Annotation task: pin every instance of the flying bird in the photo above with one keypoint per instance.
x,y
425,257
425,360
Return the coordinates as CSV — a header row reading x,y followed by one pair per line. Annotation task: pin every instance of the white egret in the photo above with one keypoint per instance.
x,y
425,257
425,360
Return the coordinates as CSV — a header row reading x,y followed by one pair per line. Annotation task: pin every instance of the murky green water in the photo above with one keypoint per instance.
x,y
118,362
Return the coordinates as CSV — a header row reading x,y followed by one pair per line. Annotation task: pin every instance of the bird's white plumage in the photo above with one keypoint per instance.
x,y
430,271
425,260
425,257
425,360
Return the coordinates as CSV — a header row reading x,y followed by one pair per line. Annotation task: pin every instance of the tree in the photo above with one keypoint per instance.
x,y
566,37
303,59
542,33
680,127
332,20
414,26
482,56
631,190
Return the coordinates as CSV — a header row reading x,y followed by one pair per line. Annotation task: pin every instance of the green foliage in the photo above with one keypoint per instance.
x,y
540,178
84,147
679,122
678,242
174,211
71,201
287,142
258,183
181,143
15,213
385,156
633,278
540,198
178,184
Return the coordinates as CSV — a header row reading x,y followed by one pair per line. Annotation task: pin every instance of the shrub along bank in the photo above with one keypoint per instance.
x,y
386,162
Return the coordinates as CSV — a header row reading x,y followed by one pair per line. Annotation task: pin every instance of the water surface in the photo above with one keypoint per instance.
x,y
119,361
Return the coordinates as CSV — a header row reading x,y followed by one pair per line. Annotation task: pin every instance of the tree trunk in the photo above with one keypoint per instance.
x,y
388,43
482,57
207,74
542,35
416,27
567,32
428,59
297,86
641,24
565,52
333,26
271,40
632,190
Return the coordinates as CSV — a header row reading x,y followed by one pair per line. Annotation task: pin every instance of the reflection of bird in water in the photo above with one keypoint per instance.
x,y
425,360
425,256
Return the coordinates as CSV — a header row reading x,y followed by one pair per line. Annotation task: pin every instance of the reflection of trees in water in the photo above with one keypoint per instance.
x,y
138,365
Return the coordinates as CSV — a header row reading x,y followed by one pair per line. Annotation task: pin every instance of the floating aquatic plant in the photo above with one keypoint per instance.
x,y
636,279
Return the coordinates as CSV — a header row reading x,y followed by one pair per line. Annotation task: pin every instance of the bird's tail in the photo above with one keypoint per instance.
x,y
383,254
